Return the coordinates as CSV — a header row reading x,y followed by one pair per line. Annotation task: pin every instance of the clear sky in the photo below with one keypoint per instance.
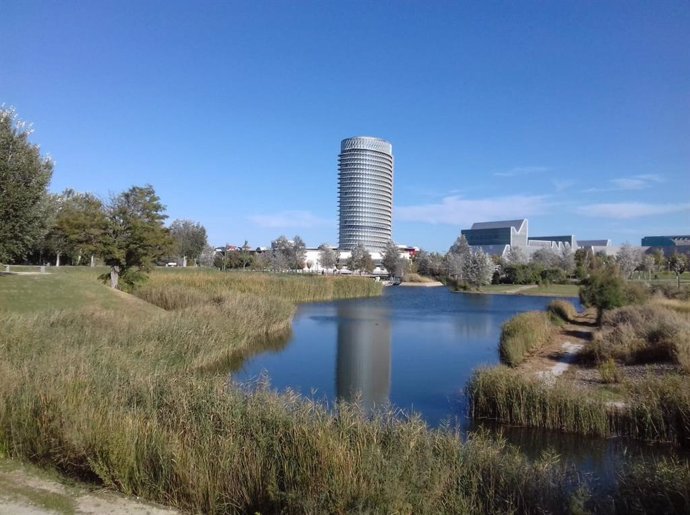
x,y
573,114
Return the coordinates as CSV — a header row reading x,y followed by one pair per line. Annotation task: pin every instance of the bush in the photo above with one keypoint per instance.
x,y
524,334
609,371
553,276
635,293
521,274
603,289
643,334
562,309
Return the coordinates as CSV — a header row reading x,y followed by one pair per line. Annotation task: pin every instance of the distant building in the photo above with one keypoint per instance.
x,y
582,244
365,193
507,232
554,241
666,241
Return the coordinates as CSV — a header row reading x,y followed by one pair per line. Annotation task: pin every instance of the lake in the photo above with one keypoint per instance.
x,y
416,348
413,347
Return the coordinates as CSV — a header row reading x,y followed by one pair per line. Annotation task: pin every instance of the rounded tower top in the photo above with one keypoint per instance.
x,y
367,143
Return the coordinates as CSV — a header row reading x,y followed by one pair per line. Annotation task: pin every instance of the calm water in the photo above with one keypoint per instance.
x,y
416,348
413,347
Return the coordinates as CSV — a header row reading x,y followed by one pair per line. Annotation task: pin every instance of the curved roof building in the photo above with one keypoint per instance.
x,y
365,193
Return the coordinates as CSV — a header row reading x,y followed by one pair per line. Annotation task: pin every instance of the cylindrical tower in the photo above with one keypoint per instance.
x,y
365,193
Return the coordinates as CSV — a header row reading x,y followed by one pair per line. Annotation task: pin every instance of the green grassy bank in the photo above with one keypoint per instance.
x,y
136,398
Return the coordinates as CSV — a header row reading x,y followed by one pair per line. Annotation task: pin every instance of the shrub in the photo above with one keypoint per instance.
x,y
562,309
642,334
553,276
603,289
609,371
524,334
635,293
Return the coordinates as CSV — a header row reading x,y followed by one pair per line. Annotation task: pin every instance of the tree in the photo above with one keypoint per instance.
x,y
79,226
360,259
480,269
391,258
460,247
678,263
458,258
327,256
628,259
516,256
298,253
604,289
135,237
648,265
24,178
189,239
546,257
206,256
567,260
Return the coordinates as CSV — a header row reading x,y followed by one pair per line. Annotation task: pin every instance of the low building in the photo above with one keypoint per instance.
x,y
505,232
666,241
559,242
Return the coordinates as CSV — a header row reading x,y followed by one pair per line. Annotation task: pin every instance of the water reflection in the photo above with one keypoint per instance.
x,y
363,363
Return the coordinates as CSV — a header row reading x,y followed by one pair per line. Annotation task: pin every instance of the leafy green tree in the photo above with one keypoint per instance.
x,y
678,263
79,226
392,261
135,237
603,289
189,239
24,179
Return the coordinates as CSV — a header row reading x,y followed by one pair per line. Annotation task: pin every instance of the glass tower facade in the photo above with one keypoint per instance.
x,y
365,193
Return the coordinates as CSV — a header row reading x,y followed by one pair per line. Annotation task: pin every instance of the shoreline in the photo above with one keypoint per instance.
x,y
430,284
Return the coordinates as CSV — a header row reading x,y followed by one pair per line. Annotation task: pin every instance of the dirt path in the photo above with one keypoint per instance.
x,y
556,358
27,490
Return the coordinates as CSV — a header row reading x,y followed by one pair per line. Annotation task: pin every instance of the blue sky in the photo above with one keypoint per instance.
x,y
575,115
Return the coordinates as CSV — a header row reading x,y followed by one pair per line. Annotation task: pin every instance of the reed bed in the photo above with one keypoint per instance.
x,y
655,409
172,289
112,400
524,334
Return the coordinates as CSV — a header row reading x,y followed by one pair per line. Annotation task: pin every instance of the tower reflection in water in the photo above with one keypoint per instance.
x,y
363,370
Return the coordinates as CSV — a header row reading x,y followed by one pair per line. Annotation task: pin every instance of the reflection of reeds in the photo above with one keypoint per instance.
x,y
523,334
656,409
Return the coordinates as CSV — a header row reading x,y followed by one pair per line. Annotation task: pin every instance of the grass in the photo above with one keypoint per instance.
x,y
524,334
67,288
656,409
138,400
644,334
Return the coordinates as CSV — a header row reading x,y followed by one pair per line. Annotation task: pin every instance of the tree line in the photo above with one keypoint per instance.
x,y
126,232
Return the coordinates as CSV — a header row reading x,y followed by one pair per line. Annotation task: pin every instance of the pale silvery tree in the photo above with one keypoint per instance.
x,y
516,256
327,257
628,259
480,269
